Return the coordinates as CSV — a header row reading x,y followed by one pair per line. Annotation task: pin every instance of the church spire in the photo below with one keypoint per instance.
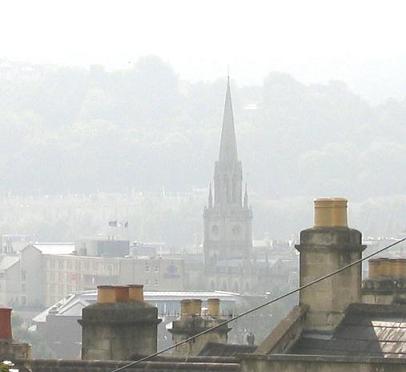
x,y
228,144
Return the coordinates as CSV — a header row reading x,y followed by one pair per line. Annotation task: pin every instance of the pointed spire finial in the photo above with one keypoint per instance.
x,y
228,143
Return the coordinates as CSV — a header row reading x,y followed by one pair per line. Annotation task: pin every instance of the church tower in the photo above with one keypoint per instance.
x,y
227,218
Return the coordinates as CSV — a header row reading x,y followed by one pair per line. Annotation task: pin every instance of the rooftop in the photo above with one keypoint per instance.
x,y
73,304
367,330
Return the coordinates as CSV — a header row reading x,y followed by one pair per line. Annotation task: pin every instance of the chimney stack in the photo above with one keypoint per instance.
x,y
325,248
10,349
386,282
191,322
5,324
119,325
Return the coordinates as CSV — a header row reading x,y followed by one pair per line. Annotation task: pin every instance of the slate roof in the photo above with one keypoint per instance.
x,y
8,261
366,330
222,350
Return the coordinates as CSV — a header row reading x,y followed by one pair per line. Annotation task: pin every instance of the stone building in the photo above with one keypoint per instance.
x,y
230,261
227,218
40,274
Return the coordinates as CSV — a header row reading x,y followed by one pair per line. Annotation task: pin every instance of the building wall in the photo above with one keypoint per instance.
x,y
67,274
10,286
108,366
31,277
43,279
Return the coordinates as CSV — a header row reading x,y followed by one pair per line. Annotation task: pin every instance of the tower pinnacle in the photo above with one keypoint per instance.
x,y
228,143
210,204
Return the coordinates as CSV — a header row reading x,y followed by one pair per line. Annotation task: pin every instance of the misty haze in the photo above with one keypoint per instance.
x,y
80,146
202,187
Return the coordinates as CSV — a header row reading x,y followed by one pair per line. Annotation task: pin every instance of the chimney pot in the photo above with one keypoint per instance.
x,y
213,307
185,307
394,268
122,293
136,292
106,294
196,307
330,212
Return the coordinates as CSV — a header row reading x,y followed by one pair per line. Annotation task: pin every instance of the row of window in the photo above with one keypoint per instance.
x,y
84,266
149,268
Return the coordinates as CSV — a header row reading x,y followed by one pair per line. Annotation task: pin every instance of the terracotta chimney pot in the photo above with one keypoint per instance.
x,y
213,307
106,294
122,293
330,212
136,292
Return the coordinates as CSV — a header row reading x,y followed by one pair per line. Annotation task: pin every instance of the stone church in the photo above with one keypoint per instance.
x,y
228,217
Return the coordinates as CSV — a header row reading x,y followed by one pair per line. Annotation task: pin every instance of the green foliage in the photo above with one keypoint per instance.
x,y
75,130
80,131
4,367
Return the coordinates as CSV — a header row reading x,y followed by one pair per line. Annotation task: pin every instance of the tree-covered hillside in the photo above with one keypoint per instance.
x,y
72,130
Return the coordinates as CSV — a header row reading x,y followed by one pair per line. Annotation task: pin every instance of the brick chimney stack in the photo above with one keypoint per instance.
x,y
10,349
5,324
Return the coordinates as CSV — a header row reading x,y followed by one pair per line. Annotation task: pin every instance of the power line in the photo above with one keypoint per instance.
x,y
315,281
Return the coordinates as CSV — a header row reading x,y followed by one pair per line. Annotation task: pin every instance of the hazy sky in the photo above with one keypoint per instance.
x,y
361,42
